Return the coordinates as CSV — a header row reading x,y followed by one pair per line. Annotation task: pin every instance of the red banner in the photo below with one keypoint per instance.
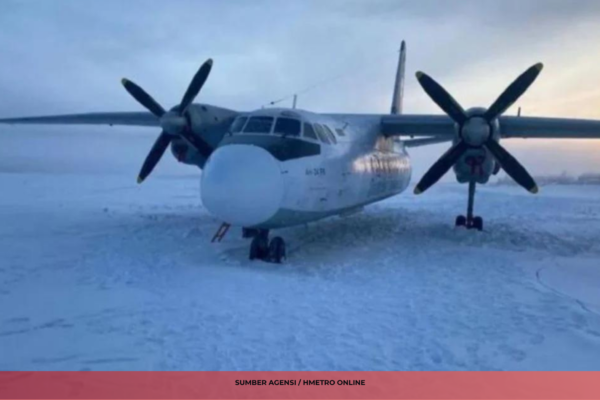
x,y
300,385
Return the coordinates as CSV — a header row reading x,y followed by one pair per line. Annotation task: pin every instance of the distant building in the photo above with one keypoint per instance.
x,y
589,179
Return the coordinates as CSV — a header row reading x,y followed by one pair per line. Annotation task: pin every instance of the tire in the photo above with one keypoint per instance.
x,y
461,220
277,250
478,223
258,248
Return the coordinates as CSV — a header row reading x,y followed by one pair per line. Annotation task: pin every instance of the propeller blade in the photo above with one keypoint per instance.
x,y
143,98
195,85
513,92
512,167
158,149
442,98
441,166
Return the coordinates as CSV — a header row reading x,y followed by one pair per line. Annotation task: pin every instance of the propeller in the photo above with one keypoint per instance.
x,y
175,123
476,130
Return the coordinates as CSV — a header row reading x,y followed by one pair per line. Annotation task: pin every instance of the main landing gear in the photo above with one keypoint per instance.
x,y
470,222
262,249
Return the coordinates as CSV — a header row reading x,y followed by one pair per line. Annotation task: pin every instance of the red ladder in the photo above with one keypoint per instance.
x,y
221,232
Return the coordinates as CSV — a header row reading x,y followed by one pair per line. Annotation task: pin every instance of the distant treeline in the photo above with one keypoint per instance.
x,y
562,179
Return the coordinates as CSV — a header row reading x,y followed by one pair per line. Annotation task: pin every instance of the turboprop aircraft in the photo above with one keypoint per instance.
x,y
276,167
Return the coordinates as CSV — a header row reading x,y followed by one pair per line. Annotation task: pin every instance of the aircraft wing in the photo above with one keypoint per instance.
x,y
426,141
441,126
101,118
548,128
417,125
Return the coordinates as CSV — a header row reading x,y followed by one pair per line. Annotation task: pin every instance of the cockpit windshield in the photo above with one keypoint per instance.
x,y
309,131
286,124
321,134
238,124
287,127
259,125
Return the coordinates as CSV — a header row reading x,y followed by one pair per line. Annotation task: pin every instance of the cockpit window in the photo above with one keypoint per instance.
x,y
330,134
259,125
309,131
287,127
238,124
321,134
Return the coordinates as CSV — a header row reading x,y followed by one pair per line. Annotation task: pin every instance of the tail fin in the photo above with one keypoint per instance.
x,y
398,98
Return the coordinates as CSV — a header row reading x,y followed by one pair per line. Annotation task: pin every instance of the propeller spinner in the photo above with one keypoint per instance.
x,y
476,131
175,123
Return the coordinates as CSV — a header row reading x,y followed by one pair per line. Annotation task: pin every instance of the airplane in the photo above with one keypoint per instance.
x,y
278,167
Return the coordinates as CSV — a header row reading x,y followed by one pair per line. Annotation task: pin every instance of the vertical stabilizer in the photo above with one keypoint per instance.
x,y
398,98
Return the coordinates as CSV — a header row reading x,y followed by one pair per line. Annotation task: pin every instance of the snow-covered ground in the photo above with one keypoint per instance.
x,y
97,273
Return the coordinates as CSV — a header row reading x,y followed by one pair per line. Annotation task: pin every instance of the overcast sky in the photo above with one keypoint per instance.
x,y
66,56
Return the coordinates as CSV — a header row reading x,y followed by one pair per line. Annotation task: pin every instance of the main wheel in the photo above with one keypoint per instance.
x,y
277,250
461,220
478,223
259,248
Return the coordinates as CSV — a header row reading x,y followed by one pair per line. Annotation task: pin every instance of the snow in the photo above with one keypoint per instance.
x,y
98,273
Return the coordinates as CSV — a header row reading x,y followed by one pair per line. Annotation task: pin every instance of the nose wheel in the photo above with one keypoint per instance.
x,y
270,251
470,221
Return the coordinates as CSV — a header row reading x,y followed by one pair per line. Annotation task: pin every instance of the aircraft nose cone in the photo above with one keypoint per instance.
x,y
242,185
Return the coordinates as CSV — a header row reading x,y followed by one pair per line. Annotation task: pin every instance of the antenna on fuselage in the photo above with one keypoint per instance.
x,y
295,100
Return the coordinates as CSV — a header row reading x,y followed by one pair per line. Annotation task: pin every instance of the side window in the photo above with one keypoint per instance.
x,y
330,133
287,127
238,124
259,125
309,132
321,134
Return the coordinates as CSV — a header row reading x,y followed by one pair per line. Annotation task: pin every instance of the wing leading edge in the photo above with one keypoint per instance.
x,y
439,126
101,118
417,125
549,128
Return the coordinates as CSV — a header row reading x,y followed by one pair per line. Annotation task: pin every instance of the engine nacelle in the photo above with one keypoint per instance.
x,y
208,122
186,153
477,164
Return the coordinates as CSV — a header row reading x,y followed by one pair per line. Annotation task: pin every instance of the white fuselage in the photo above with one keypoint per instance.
x,y
246,182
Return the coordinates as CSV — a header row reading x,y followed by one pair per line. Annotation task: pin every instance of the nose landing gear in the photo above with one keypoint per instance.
x,y
277,252
470,221
262,249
